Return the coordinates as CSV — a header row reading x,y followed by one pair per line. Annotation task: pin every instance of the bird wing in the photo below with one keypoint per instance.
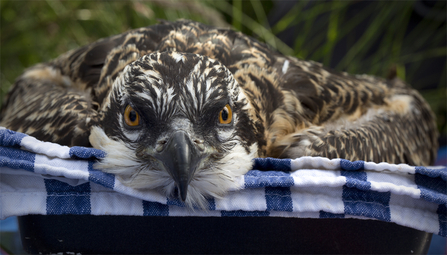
x,y
356,118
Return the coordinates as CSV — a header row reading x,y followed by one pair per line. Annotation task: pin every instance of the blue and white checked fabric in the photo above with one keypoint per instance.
x,y
45,178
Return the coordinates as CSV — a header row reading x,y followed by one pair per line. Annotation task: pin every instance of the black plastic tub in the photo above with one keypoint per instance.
x,y
70,234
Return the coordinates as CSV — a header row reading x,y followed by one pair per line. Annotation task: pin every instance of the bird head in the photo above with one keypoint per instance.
x,y
179,123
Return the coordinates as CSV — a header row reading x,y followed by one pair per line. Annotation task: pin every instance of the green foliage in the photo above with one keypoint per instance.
x,y
37,31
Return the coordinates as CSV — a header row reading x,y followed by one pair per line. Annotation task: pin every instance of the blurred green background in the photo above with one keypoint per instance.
x,y
379,37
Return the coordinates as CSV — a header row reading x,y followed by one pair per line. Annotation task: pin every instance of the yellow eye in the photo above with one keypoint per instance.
x,y
226,115
131,117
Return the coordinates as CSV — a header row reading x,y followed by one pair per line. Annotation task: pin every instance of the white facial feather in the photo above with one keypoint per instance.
x,y
221,178
214,181
119,160
119,85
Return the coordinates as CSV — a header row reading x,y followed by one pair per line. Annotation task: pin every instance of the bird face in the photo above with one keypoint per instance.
x,y
177,122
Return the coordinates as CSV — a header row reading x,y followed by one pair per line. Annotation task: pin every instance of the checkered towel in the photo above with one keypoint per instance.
x,y
45,178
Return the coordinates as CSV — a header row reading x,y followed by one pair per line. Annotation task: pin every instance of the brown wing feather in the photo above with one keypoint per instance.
x,y
45,109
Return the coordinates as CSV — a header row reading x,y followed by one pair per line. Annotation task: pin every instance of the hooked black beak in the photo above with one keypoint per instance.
x,y
181,158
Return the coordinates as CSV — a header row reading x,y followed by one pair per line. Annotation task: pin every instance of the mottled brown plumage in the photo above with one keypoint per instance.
x,y
298,107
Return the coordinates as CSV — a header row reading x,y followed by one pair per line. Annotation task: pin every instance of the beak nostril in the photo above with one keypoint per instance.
x,y
200,144
160,145
198,141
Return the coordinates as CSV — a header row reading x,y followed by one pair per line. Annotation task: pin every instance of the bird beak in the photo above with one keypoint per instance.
x,y
181,158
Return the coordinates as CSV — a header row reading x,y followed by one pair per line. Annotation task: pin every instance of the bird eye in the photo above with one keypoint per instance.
x,y
226,115
131,117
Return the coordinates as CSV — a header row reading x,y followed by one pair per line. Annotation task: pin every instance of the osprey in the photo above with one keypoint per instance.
x,y
183,108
